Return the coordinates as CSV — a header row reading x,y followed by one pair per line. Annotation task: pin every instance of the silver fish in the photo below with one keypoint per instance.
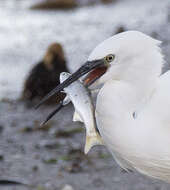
x,y
84,110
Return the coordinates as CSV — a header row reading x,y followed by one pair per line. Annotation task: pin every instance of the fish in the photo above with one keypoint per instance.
x,y
79,95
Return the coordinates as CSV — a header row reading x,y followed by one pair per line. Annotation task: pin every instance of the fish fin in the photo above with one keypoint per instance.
x,y
66,100
92,141
76,117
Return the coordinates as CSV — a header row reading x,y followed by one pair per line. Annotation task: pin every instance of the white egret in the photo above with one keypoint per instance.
x,y
131,86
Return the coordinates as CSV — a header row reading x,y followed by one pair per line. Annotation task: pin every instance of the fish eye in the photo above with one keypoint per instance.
x,y
109,58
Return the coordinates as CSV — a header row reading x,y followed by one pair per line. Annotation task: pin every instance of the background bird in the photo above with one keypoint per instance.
x,y
44,76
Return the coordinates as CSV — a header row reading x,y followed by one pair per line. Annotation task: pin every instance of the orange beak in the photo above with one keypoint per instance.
x,y
94,75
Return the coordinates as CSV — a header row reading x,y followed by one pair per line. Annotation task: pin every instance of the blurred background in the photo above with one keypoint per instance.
x,y
51,158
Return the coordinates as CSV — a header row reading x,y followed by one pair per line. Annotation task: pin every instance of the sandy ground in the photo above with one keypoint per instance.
x,y
49,158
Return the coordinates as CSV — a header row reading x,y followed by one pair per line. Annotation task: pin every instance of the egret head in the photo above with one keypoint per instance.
x,y
54,56
130,56
126,56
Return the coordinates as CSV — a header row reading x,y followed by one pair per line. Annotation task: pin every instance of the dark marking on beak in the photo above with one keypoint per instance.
x,y
59,107
87,67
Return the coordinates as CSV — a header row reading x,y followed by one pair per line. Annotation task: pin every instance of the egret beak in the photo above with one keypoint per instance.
x,y
59,106
87,67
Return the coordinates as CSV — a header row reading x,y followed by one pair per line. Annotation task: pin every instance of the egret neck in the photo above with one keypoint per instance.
x,y
138,77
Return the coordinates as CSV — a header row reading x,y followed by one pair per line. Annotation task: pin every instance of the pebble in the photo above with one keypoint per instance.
x,y
75,168
35,168
1,157
67,187
98,182
1,128
49,144
120,29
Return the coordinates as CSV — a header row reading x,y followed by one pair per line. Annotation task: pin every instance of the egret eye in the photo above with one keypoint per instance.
x,y
109,58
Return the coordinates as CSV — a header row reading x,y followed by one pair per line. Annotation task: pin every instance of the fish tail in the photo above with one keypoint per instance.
x,y
77,117
92,141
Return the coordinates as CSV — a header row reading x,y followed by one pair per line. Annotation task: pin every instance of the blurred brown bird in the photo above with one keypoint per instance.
x,y
44,76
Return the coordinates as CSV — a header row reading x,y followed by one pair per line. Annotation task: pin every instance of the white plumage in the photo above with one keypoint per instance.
x,y
133,85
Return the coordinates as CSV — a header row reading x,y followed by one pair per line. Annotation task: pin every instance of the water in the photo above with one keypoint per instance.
x,y
25,34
